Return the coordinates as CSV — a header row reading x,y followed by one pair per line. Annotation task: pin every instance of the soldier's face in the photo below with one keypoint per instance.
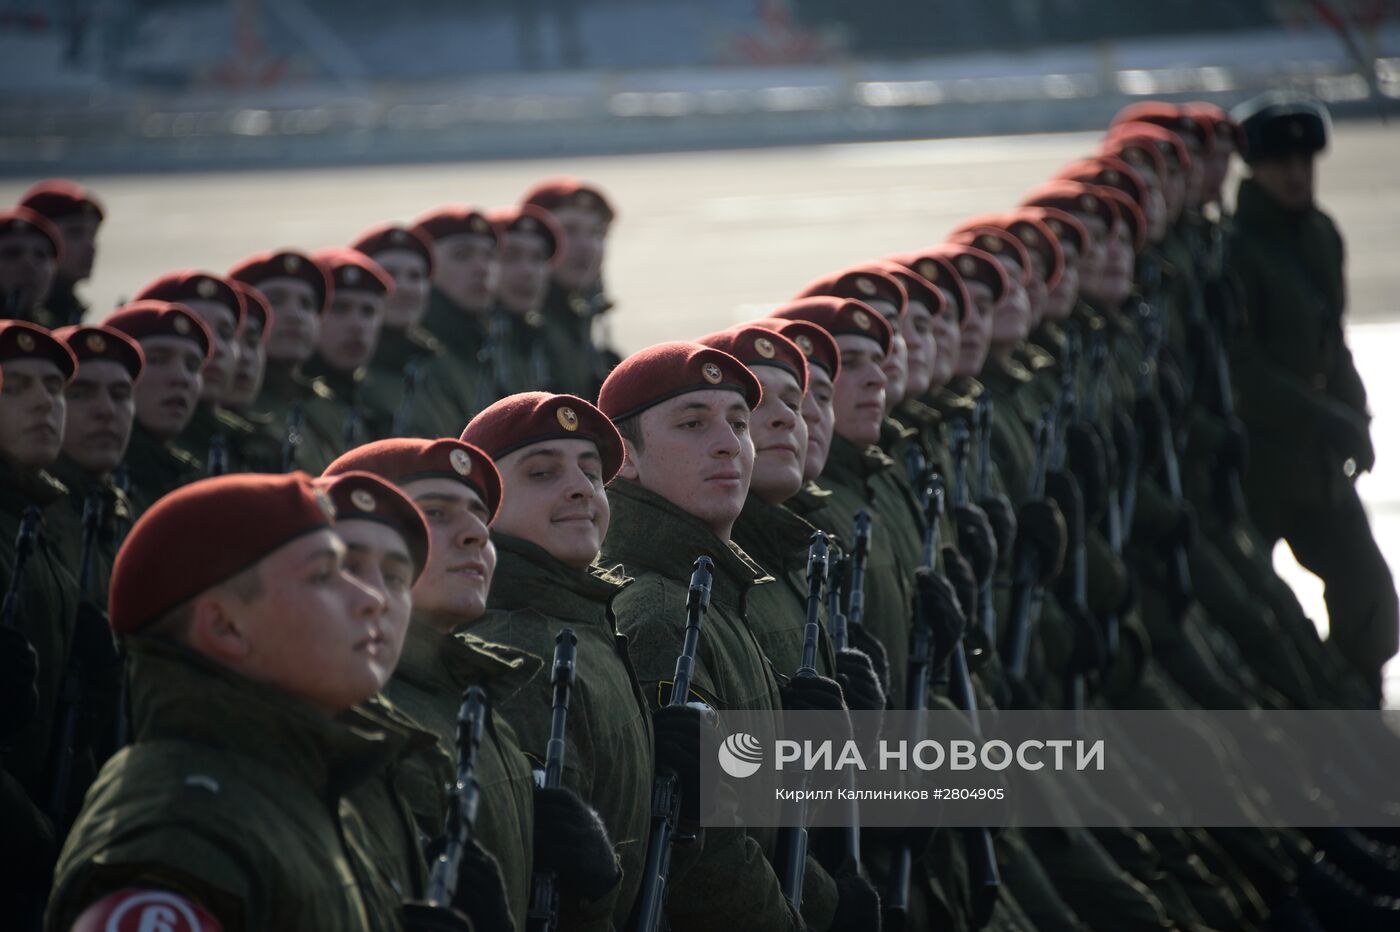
x,y
79,246
1036,294
350,329
453,587
252,362
555,499
779,436
975,330
1118,265
223,361
524,272
1094,259
896,364
296,319
1287,179
859,396
377,556
170,385
917,330
697,454
465,268
409,300
101,408
314,630
1011,319
580,264
26,272
31,413
1060,302
947,338
1174,188
819,413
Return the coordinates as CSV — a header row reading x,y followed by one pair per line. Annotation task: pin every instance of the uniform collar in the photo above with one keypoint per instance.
x,y
19,490
1257,209
458,329
528,577
775,536
178,694
847,459
437,663
650,533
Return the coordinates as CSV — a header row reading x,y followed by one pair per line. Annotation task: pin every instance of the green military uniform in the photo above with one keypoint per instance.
x,y
66,519
346,416
235,796
246,446
522,356
411,356
433,673
732,883
576,363
63,307
283,412
458,370
157,467
608,758
1305,408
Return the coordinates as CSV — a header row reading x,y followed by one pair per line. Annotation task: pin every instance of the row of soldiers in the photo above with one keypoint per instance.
x,y
285,646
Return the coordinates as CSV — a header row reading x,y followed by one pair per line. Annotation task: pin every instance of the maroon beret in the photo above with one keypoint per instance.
x,y
190,285
353,270
758,346
840,316
554,193
816,344
456,220
1130,213
206,533
20,339
1140,152
991,235
533,417
284,263
103,343
1169,116
256,306
24,220
402,460
916,286
528,218
865,283
666,370
1040,240
395,236
975,265
1109,171
151,318
58,197
362,496
939,271
1074,197
1165,141
1065,226
1223,125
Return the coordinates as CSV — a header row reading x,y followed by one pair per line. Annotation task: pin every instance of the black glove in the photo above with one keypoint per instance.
x,y
1003,520
859,682
812,694
1042,529
938,608
1233,452
1062,488
1151,418
959,573
93,645
1089,466
858,637
19,673
1349,435
681,735
1090,652
976,540
480,895
858,909
425,917
572,841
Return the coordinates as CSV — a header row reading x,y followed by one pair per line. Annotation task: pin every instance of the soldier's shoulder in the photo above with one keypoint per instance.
x,y
233,421
184,458
423,340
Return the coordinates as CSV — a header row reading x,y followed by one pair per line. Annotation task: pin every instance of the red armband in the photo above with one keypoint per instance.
x,y
146,911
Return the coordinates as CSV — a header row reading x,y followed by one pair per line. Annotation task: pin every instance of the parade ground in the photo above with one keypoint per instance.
x,y
704,240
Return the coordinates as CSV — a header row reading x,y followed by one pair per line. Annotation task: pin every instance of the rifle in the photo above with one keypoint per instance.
x,y
896,910
1229,494
404,411
492,356
838,567
1026,570
982,428
291,442
666,790
1113,516
855,602
465,798
1179,567
544,892
24,548
218,456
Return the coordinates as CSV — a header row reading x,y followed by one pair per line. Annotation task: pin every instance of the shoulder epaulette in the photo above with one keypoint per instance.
x,y
184,457
423,340
233,421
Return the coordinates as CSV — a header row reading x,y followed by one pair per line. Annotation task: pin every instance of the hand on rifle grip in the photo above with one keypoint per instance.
x,y
571,840
976,540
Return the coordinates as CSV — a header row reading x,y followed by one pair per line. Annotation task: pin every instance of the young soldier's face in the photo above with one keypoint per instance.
x,y
555,499
917,330
252,363
296,319
79,246
1118,265
1174,187
26,272
1036,292
101,407
819,413
314,630
859,396
1060,302
896,364
223,361
453,587
975,330
947,338
779,436
1094,260
1011,319
377,556
585,235
405,306
350,329
465,269
1154,206
697,454
31,413
524,272
170,385
1288,179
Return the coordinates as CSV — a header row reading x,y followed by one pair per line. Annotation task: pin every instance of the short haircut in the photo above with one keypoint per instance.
x,y
631,430
246,586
